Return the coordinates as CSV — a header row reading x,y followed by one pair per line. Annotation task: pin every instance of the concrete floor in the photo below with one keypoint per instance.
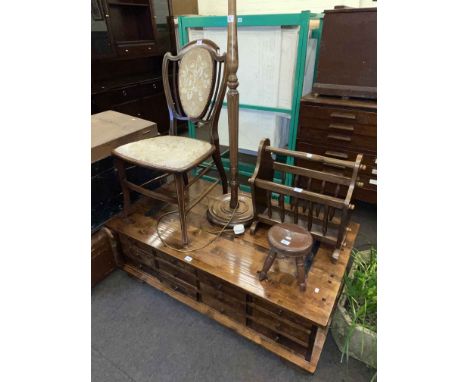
x,y
140,334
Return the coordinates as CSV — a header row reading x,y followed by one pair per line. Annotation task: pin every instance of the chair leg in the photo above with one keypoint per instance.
x,y
179,181
219,166
301,273
267,265
120,165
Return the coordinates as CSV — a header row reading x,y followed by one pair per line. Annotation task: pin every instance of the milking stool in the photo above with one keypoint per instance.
x,y
288,240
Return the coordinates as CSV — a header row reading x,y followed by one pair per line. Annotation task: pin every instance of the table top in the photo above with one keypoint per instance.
x,y
111,129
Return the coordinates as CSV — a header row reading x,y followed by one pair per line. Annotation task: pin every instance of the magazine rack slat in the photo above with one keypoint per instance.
x,y
319,200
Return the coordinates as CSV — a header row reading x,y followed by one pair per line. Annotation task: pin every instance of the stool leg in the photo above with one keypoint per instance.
x,y
301,273
267,265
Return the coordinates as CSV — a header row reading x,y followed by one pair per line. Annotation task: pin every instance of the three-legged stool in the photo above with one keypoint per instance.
x,y
288,240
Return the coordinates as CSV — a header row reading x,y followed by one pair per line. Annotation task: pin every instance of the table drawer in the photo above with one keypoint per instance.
x,y
177,286
224,308
338,115
233,302
175,262
176,271
280,312
278,338
221,286
139,252
296,333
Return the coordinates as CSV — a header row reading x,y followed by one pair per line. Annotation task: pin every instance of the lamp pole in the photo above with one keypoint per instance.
x,y
235,207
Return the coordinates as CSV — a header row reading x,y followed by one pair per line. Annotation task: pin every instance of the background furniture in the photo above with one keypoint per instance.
x,y
111,129
288,240
194,85
318,200
221,280
341,129
347,63
102,255
127,48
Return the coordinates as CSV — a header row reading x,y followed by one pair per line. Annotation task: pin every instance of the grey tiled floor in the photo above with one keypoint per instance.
x,y
140,334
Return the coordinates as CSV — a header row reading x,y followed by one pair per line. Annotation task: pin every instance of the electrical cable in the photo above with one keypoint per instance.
x,y
219,233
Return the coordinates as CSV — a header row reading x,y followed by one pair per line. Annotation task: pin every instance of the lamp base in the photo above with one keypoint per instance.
x,y
220,213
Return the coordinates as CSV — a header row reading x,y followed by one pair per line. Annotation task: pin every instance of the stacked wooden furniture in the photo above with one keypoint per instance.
x,y
339,118
341,129
109,130
127,49
221,279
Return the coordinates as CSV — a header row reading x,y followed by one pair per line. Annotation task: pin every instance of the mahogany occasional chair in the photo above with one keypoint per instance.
x,y
194,86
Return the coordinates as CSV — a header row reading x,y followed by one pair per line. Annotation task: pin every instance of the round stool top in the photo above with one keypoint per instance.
x,y
290,239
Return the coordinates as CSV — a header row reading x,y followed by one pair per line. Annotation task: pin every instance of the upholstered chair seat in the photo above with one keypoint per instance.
x,y
168,153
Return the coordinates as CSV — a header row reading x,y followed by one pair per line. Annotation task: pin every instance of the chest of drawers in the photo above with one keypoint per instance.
x,y
341,128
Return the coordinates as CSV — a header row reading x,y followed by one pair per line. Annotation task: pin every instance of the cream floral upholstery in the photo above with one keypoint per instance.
x,y
195,81
169,152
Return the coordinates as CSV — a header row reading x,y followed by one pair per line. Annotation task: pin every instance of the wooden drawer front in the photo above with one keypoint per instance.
x,y
177,263
221,286
277,337
139,50
177,285
331,126
234,303
339,138
281,313
224,308
137,251
338,115
123,95
176,271
335,152
286,328
150,88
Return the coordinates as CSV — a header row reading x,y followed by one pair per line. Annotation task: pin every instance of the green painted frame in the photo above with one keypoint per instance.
x,y
288,19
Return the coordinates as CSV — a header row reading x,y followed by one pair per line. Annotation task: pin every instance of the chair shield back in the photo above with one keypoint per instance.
x,y
195,84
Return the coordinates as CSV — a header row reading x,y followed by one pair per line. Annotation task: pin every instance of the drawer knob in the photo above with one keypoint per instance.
x,y
126,50
149,48
176,288
277,338
280,312
360,184
154,86
362,167
124,93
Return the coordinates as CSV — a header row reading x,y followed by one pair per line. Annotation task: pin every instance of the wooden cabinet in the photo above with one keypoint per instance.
x,y
143,99
341,128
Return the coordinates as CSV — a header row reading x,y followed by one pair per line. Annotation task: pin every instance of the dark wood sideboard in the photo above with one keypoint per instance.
x,y
341,128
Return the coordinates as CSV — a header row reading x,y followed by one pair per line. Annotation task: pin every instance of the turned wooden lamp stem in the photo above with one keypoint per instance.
x,y
232,63
236,207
